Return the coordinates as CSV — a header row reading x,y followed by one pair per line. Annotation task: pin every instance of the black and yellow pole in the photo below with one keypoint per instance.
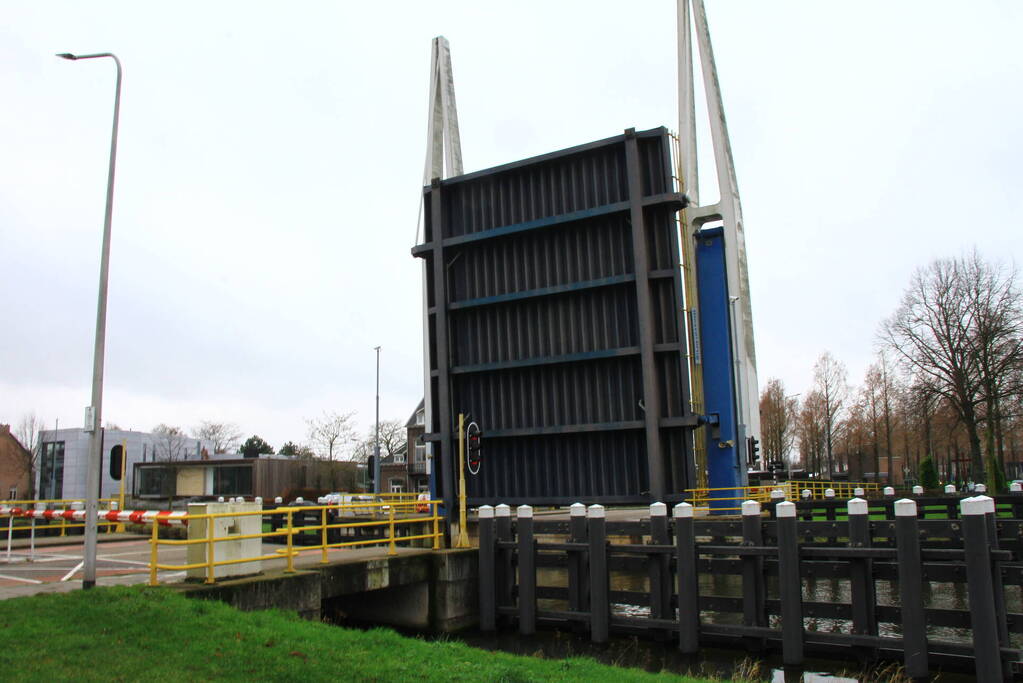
x,y
463,536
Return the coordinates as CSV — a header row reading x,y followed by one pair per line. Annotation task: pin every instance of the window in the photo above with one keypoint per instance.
x,y
399,458
236,480
424,486
397,486
420,417
419,454
13,493
51,471
155,481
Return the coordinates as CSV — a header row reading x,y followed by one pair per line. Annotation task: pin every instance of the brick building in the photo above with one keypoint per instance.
x,y
15,466
406,471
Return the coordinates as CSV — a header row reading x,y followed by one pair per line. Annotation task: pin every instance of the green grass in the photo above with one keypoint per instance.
x,y
155,634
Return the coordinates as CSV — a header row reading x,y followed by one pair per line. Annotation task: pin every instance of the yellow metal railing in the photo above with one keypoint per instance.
x,y
730,499
390,516
842,489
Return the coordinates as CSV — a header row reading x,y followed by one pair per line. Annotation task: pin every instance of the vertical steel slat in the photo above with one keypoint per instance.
x,y
651,397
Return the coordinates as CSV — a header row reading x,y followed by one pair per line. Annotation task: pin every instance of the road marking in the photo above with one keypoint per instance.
x,y
18,578
73,571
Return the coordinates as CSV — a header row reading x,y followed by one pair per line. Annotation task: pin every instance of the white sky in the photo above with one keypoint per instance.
x,y
270,159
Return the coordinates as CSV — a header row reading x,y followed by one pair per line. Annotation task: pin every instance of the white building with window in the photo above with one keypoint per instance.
x,y
64,457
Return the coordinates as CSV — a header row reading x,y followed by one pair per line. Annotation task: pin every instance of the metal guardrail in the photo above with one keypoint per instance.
x,y
730,499
842,489
386,516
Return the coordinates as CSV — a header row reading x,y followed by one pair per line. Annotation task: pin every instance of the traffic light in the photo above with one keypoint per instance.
x,y
753,451
473,446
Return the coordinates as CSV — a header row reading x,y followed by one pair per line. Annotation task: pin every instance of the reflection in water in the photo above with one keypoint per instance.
x,y
655,657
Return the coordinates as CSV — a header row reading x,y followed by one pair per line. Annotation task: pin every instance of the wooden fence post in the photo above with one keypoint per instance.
x,y
577,573
914,624
996,570
790,587
688,580
504,572
600,605
659,567
527,570
753,589
861,575
987,654
488,596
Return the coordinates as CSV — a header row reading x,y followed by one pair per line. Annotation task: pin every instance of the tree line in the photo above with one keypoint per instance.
x,y
944,394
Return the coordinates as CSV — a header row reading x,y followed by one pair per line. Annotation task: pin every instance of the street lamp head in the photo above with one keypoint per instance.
x,y
66,55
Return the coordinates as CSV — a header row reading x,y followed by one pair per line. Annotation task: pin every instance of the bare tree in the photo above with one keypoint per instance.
x,y
777,421
829,379
225,435
954,332
997,342
332,434
170,442
27,433
393,438
811,433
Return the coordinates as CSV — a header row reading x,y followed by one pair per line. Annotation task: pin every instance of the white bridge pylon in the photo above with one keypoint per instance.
x,y
692,21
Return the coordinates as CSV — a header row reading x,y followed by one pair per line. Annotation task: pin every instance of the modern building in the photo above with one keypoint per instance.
x,y
15,466
64,454
267,477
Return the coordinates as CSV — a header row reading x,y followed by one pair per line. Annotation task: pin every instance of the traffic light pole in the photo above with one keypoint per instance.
x,y
463,536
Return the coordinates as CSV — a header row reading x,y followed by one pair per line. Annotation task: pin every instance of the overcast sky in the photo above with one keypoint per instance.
x,y
270,160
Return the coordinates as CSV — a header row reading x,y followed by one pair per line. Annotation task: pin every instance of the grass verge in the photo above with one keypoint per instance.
x,y
153,634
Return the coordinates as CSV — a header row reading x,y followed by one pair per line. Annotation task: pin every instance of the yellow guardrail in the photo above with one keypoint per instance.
x,y
389,516
842,489
730,499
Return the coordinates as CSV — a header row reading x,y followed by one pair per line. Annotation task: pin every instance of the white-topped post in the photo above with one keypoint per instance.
x,y
889,490
905,507
682,511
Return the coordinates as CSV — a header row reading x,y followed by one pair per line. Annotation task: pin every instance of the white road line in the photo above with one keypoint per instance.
x,y
110,559
18,578
143,551
73,571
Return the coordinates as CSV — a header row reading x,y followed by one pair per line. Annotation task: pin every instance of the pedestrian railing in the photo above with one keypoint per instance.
x,y
307,529
839,489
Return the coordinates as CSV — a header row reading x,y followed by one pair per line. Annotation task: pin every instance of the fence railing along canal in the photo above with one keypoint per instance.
x,y
881,551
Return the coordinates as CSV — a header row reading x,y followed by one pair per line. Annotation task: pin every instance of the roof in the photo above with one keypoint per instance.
x,y
412,420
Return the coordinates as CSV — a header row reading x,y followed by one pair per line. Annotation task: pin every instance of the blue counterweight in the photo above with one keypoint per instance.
x,y
726,471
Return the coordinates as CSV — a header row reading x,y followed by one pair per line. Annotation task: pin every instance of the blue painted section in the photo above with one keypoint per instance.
x,y
725,467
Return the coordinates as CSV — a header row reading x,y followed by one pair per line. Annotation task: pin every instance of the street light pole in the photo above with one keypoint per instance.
x,y
376,442
96,418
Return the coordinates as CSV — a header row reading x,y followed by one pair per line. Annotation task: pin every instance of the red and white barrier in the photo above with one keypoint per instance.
x,y
160,517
